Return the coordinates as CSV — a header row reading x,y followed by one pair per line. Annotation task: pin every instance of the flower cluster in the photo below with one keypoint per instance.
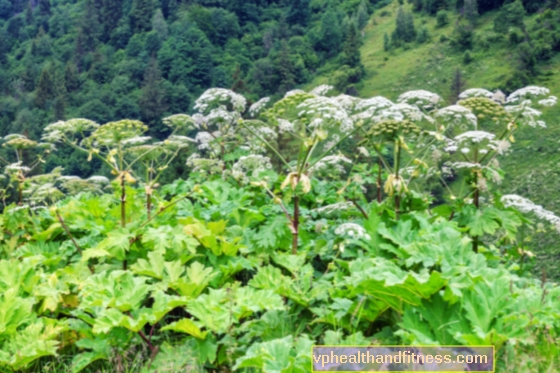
x,y
219,96
527,93
179,121
391,129
457,116
321,90
258,106
204,165
484,109
526,206
332,164
325,113
352,230
113,133
250,166
421,98
60,130
526,114
476,92
335,207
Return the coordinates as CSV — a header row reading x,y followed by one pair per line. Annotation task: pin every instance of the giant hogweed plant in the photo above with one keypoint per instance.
x,y
211,283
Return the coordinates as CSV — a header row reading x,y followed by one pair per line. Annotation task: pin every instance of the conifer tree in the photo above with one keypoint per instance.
x,y
141,15
410,31
159,25
330,33
152,99
298,12
111,13
29,14
238,83
386,42
362,16
90,25
45,7
400,23
71,77
79,50
44,88
471,11
285,68
351,49
458,85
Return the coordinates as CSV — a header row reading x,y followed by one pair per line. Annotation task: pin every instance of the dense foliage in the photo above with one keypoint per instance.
x,y
303,222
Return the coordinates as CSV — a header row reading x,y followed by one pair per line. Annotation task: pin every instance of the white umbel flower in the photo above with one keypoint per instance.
x,y
321,90
475,92
352,230
527,93
457,115
420,98
258,106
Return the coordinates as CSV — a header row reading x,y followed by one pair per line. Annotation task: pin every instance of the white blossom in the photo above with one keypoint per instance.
x,y
352,230
138,140
98,179
321,90
257,107
457,115
329,209
216,96
526,115
420,98
476,92
527,206
331,163
550,101
475,136
249,166
527,93
325,113
285,125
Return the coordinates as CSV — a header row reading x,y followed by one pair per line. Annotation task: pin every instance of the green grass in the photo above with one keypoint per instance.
x,y
533,167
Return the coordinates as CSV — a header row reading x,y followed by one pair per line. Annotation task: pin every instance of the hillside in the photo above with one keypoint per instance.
x,y
143,59
533,168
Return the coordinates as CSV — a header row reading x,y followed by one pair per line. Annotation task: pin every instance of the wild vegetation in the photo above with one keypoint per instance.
x,y
303,222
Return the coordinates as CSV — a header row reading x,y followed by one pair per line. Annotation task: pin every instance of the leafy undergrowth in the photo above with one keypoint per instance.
x,y
209,285
532,167
275,243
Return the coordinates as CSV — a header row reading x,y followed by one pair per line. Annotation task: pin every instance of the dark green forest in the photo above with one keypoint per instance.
x,y
145,59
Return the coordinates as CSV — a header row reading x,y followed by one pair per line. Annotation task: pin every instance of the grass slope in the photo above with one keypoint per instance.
x,y
533,167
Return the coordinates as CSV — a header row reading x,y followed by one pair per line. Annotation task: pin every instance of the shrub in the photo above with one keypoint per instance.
x,y
442,18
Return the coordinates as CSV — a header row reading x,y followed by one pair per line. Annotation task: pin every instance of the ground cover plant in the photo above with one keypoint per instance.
x,y
317,219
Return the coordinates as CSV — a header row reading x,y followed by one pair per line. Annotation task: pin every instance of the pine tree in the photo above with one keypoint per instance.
x,y
285,68
172,9
71,77
299,12
238,83
111,13
29,14
362,16
79,50
159,25
90,25
471,11
351,49
152,98
45,7
457,86
386,42
141,15
330,33
400,23
410,33
44,88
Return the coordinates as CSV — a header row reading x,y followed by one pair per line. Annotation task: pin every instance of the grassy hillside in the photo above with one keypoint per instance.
x,y
533,167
